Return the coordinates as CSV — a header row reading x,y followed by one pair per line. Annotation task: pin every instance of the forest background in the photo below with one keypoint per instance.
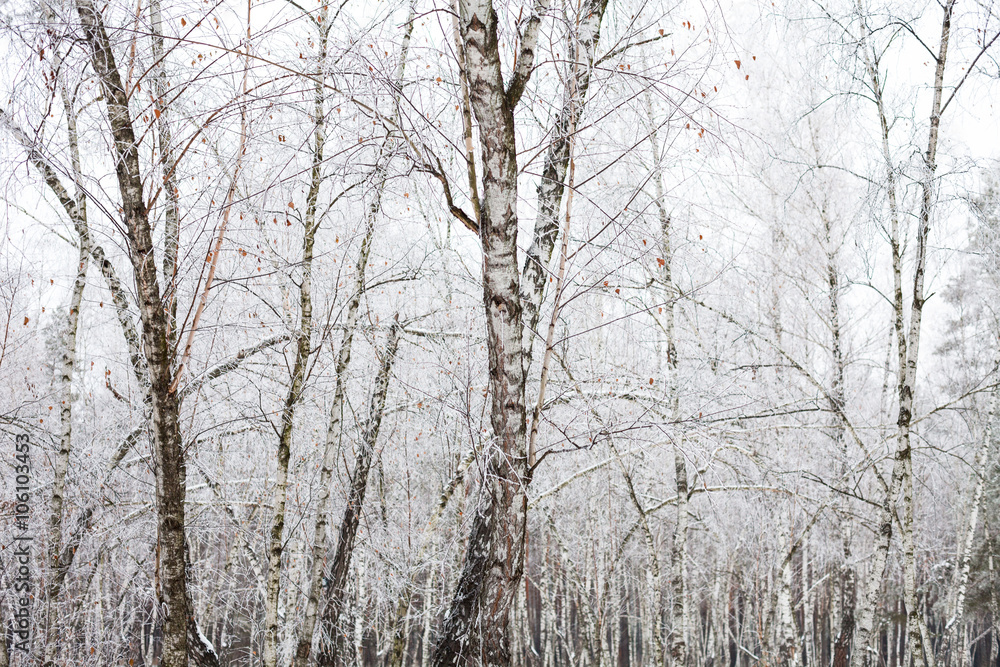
x,y
550,333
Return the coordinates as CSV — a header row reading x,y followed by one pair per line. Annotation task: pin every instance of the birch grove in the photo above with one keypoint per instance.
x,y
528,333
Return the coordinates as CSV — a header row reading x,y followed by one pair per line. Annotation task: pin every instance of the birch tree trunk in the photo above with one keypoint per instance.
x,y
339,568
475,629
654,561
678,554
201,652
427,617
61,556
57,563
334,436
61,463
359,611
960,580
168,169
866,610
303,349
334,432
994,603
907,348
786,641
810,642
396,655
845,590
168,449
916,629
4,651
582,46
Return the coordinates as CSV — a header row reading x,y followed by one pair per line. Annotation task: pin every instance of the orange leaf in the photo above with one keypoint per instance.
x,y
738,63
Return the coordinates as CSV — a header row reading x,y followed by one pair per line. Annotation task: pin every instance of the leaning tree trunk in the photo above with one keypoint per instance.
x,y
76,208
334,432
61,555
201,652
582,47
168,450
303,349
340,566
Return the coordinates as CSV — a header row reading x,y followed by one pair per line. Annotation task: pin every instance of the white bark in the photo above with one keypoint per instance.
x,y
963,566
907,348
303,350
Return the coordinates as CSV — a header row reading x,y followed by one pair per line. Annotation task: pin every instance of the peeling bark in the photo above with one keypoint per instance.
x,y
476,627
